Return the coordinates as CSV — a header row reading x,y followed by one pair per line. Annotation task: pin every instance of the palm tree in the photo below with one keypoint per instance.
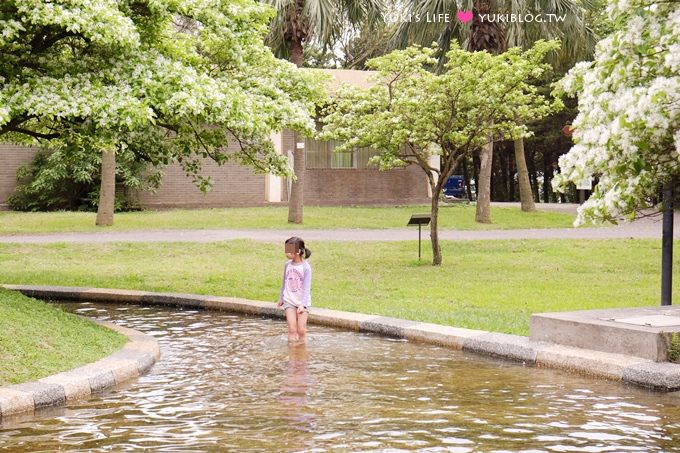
x,y
300,21
578,42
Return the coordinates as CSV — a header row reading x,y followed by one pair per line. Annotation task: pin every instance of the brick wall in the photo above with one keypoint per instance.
x,y
368,186
340,186
11,158
233,185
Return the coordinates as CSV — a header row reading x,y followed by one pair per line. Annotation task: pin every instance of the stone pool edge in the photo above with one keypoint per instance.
x,y
661,376
134,359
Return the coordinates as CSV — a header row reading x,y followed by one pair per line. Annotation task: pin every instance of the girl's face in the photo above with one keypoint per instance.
x,y
291,251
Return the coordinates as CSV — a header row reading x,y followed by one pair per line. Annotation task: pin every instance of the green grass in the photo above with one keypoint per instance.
x,y
38,339
487,285
451,217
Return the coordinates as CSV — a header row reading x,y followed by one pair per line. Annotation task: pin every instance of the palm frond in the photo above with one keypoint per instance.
x,y
324,18
359,12
420,32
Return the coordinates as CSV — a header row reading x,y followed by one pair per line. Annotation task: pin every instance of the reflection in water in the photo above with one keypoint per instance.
x,y
294,397
231,383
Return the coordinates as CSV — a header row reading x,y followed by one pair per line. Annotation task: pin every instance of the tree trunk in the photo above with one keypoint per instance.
x,y
547,177
434,232
295,51
525,195
484,189
475,172
496,181
295,198
533,177
667,244
107,191
505,177
466,177
511,178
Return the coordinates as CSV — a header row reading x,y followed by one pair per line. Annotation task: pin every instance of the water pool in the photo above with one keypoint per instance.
x,y
231,383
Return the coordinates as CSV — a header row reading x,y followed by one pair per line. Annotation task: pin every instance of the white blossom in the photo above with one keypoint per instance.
x,y
626,131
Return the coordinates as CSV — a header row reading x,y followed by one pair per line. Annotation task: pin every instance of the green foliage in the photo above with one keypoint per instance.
x,y
69,179
674,348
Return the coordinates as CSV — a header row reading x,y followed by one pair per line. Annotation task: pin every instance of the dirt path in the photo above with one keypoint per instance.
x,y
643,228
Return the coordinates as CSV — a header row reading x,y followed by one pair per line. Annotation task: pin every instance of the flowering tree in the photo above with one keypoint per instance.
x,y
627,132
182,78
412,114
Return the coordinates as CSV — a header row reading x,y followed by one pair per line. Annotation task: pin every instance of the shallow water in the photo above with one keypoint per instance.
x,y
231,383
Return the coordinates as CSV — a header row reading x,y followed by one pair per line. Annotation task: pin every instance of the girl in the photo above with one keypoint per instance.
x,y
295,296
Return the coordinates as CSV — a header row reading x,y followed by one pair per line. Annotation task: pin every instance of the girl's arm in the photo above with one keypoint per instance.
x,y
307,287
283,284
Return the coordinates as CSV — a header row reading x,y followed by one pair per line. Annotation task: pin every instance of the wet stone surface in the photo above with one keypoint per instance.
x,y
227,382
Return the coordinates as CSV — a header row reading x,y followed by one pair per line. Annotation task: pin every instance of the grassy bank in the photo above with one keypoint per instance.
x,y
38,339
461,217
492,285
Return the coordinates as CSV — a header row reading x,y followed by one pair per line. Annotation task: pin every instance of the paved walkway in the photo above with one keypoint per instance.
x,y
643,228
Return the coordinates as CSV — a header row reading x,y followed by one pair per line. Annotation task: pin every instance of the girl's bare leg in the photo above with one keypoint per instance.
x,y
302,326
291,317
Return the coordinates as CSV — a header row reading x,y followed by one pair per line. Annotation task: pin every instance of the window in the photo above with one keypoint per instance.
x,y
320,154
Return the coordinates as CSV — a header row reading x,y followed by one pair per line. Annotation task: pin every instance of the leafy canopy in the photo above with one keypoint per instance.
x,y
181,76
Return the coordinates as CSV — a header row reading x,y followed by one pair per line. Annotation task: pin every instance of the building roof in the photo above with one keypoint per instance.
x,y
348,76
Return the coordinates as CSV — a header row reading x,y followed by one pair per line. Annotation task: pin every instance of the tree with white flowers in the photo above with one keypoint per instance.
x,y
412,115
186,77
627,131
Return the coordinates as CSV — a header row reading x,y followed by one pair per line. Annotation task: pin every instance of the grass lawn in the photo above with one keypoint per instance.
x,y
38,339
488,285
451,216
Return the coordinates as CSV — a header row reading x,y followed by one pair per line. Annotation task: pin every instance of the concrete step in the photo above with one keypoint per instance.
x,y
640,332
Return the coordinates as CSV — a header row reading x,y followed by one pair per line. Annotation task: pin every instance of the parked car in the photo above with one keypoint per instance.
x,y
455,190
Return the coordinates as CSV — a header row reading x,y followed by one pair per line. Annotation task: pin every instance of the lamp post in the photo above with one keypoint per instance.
x,y
667,244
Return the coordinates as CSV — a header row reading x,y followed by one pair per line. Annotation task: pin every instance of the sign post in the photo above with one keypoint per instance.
x,y
420,220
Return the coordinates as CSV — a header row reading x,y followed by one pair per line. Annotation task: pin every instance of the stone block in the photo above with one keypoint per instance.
x,y
43,394
15,402
503,345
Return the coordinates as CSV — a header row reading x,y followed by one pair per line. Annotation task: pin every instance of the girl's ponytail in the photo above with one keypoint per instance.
x,y
308,253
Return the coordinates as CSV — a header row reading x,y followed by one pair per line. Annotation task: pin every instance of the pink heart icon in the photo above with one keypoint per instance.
x,y
464,16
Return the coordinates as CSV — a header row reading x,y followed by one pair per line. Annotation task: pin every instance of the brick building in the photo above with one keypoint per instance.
x,y
331,178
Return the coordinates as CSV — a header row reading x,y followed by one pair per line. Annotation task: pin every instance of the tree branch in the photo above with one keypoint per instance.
x,y
36,134
42,41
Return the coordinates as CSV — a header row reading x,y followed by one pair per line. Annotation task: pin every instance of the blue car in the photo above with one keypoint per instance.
x,y
455,188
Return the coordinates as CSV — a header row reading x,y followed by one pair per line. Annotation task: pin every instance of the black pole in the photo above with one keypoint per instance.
x,y
419,225
667,245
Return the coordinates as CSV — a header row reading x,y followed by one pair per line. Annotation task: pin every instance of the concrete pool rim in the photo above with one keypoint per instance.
x,y
143,351
134,359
